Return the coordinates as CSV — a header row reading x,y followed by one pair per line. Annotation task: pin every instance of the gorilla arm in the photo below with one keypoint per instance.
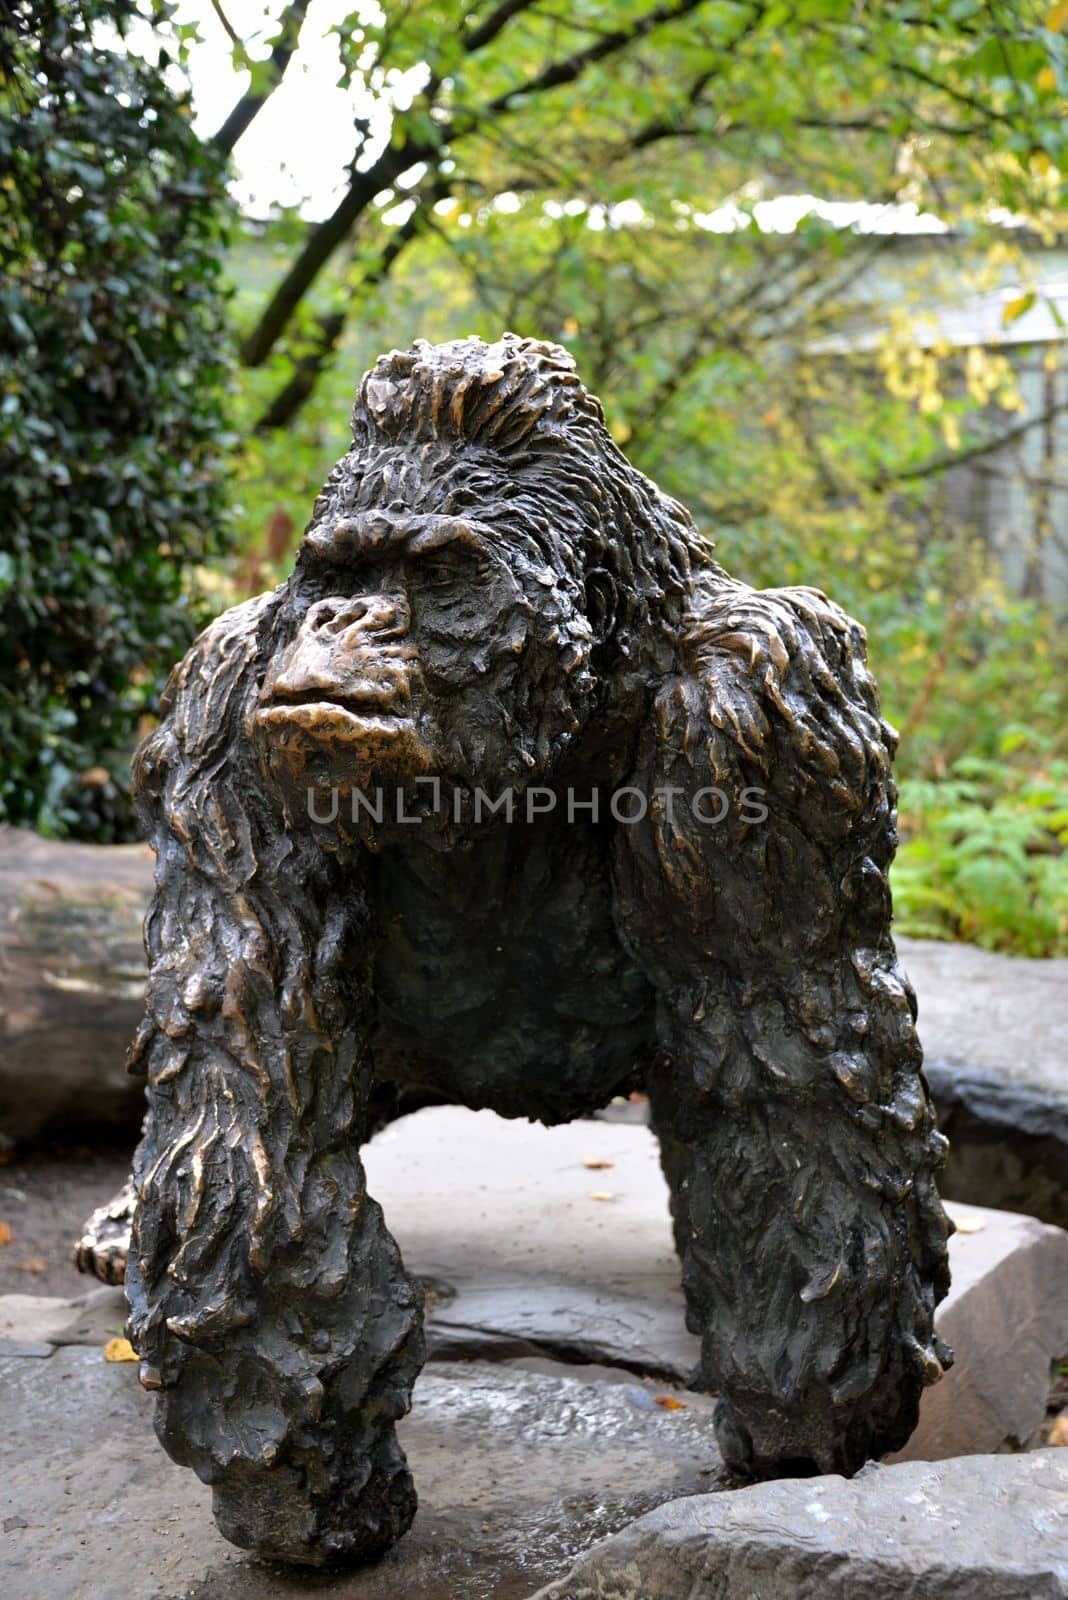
x,y
795,1128
267,1300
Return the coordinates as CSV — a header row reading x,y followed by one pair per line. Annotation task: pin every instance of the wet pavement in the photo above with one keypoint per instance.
x,y
553,1410
518,1470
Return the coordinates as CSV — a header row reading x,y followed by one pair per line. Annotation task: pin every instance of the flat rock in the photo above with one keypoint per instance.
x,y
528,1261
1006,1316
517,1470
502,1216
979,1528
995,1037
91,1318
521,1461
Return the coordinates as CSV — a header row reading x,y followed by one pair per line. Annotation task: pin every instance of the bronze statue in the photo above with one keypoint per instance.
x,y
512,796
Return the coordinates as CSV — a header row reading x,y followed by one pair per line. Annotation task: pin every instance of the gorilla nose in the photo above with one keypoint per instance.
x,y
352,620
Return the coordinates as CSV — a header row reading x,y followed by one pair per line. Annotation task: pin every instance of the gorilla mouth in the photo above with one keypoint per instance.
x,y
317,708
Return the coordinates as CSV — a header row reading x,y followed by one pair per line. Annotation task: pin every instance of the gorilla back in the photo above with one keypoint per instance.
x,y
511,794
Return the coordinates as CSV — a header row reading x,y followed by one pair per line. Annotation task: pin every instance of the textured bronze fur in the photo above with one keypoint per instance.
x,y
489,593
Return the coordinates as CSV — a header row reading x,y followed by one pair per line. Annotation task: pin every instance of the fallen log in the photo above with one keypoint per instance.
x,y
72,973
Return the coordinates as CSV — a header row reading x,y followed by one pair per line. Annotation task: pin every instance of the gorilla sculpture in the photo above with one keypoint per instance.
x,y
510,794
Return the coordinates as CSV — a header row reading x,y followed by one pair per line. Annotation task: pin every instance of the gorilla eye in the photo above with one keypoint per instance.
x,y
438,574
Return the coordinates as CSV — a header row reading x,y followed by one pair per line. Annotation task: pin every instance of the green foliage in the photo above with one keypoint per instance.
x,y
572,173
793,462
111,409
984,855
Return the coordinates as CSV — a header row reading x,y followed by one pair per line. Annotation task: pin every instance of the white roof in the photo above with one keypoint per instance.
x,y
983,319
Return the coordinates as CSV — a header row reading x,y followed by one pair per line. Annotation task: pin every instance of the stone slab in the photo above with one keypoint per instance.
x,y
995,1036
91,1318
533,1263
72,969
521,1461
503,1214
1006,1316
521,1260
995,1013
979,1528
517,1472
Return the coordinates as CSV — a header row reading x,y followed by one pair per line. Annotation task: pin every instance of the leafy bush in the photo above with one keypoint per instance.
x,y
985,853
111,393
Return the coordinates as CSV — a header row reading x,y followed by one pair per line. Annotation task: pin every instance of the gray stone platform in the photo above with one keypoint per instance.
x,y
995,1037
552,1413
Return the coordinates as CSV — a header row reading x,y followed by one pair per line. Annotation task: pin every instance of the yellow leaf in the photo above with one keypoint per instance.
x,y
596,1163
571,326
602,1194
1047,79
6,1234
1058,16
1017,308
970,1224
669,1402
119,1350
1058,1434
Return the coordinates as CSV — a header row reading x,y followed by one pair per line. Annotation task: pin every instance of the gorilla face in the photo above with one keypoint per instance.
x,y
426,645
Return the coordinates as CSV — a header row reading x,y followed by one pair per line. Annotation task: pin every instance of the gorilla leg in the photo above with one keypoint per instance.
x,y
796,1130
268,1303
280,1374
812,1248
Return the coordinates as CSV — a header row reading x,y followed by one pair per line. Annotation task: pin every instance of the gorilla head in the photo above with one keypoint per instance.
x,y
470,588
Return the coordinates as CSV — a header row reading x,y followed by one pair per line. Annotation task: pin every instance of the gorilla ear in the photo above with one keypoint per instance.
x,y
602,599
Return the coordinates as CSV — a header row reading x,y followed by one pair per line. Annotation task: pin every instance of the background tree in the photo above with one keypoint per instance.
x,y
629,177
686,100
112,424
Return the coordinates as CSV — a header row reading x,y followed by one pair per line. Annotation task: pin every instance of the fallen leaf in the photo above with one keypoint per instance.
x,y
970,1224
119,1350
602,1194
33,1264
6,1235
1058,1434
596,1163
11,1523
669,1402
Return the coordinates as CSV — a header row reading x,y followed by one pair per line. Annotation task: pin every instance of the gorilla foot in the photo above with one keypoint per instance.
x,y
276,1513
105,1242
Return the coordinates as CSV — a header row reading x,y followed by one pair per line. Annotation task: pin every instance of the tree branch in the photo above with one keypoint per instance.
x,y
988,113
573,66
326,238
250,105
476,38
945,459
227,25
328,328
